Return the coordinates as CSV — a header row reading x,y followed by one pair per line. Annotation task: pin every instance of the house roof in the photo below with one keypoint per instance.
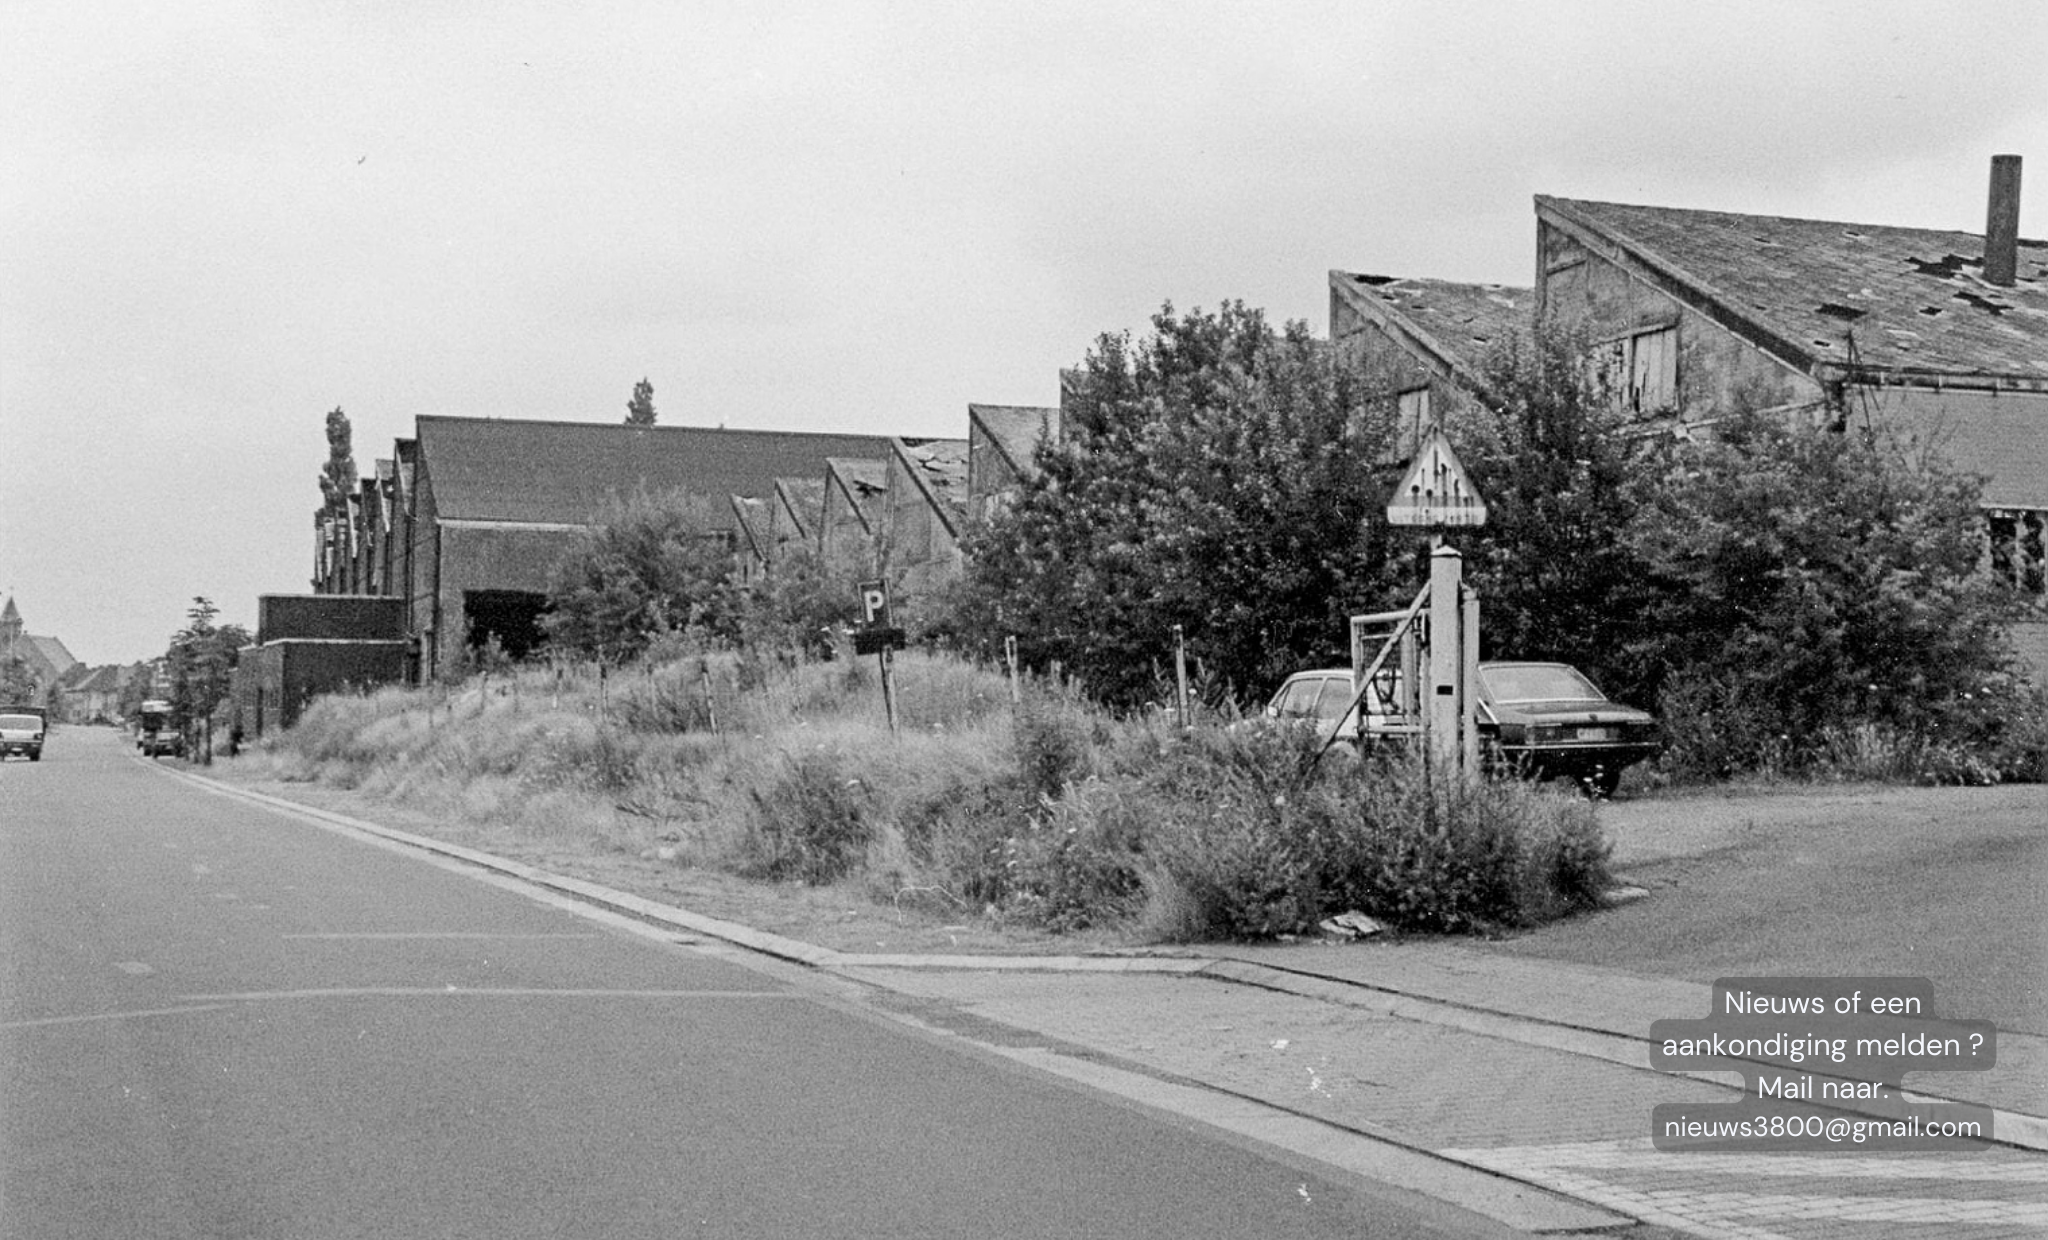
x,y
493,469
861,480
804,500
1856,301
938,469
98,680
1015,431
1450,327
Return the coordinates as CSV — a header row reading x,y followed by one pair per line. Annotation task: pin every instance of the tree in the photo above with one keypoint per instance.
x,y
1218,475
338,475
1563,476
640,409
17,683
202,660
653,565
1802,578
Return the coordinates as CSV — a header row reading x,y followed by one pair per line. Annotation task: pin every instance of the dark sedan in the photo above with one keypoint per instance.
x,y
1550,722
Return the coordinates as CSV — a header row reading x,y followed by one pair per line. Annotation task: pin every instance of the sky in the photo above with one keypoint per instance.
x,y
220,220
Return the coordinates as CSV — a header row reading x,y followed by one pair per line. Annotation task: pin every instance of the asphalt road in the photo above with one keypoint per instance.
x,y
216,1021
1949,884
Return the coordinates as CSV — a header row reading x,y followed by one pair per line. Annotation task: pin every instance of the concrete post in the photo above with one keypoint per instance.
x,y
1445,709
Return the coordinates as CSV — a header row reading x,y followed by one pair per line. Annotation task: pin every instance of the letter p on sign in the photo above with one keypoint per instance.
x,y
874,603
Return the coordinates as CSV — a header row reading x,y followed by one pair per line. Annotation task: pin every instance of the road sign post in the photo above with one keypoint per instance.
x,y
1437,494
877,636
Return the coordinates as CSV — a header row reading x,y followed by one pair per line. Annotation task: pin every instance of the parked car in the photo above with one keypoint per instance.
x,y
1544,720
1548,721
1320,698
21,731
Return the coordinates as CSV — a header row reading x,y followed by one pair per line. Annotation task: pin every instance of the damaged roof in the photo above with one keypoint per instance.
x,y
1848,298
1455,325
938,468
864,482
495,469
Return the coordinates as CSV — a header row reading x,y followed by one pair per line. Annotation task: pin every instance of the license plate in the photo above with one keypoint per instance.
x,y
1596,734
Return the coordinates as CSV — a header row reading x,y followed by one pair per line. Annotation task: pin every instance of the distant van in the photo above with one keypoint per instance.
x,y
154,735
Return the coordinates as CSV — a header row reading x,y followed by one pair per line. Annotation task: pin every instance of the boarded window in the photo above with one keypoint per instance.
x,y
1640,371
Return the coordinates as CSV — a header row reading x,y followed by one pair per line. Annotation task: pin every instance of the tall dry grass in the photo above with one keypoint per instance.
x,y
1053,814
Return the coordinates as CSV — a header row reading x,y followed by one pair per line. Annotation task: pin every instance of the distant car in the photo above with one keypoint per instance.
x,y
1548,721
21,732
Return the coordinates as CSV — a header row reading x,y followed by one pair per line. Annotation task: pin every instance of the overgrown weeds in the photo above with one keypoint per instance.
x,y
1052,814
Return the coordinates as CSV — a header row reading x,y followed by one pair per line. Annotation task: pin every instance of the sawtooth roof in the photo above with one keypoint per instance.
x,y
495,469
1015,431
938,468
804,500
1459,323
1913,300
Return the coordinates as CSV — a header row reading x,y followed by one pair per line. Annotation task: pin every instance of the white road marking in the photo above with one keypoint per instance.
x,y
96,1016
136,967
487,992
440,934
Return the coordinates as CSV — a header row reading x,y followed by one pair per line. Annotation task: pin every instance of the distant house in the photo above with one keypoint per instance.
x,y
1941,335
1002,452
493,505
926,497
93,695
852,525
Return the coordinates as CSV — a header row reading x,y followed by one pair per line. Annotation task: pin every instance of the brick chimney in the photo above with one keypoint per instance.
x,y
2002,221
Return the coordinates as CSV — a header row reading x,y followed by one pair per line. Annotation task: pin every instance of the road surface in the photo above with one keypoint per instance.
x,y
219,1021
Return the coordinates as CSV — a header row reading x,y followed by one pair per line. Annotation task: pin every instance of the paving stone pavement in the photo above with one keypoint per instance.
x,y
1569,1122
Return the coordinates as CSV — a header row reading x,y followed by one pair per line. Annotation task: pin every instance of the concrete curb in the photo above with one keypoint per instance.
x,y
2007,1127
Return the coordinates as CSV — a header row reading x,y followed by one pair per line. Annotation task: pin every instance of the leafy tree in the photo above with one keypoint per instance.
x,y
798,606
1218,475
338,475
1802,578
202,659
1563,477
653,565
640,409
17,684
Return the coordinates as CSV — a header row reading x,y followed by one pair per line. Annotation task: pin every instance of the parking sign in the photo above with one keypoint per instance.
x,y
874,604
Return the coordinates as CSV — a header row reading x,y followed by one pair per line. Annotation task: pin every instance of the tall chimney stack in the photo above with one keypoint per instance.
x,y
2002,221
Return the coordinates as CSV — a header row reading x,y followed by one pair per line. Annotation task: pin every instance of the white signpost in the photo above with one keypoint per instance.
x,y
1436,494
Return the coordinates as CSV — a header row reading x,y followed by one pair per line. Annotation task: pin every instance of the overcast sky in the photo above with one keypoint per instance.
x,y
222,220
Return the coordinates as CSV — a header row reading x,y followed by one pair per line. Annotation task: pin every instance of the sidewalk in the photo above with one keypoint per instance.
x,y
1436,1066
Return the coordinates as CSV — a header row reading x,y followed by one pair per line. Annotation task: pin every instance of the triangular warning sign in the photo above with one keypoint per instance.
x,y
1435,490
